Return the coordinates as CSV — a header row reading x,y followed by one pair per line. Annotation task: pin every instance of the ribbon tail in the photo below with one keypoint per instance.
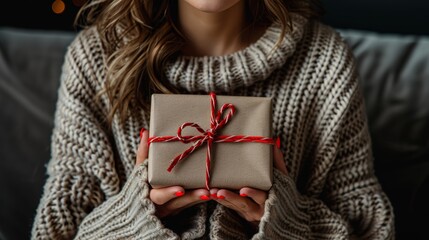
x,y
174,163
208,163
185,154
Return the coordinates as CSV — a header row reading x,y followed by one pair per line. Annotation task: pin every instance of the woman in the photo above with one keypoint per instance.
x,y
97,186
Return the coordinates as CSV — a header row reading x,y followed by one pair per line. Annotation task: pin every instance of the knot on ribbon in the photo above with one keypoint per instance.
x,y
208,136
216,123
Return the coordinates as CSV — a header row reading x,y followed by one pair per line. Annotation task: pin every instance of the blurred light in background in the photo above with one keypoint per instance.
x,y
40,14
58,6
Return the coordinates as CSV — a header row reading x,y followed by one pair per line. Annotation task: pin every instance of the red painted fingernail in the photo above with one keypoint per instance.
x,y
214,195
141,132
204,197
243,194
179,193
278,142
220,197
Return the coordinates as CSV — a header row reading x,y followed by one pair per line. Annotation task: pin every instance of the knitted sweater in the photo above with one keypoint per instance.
x,y
94,191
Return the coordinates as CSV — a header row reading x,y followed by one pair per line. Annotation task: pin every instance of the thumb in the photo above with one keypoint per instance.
x,y
142,151
279,161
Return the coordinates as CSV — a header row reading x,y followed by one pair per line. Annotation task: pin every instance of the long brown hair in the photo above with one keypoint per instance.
x,y
141,36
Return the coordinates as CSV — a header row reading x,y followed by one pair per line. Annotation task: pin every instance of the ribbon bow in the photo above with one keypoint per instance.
x,y
210,135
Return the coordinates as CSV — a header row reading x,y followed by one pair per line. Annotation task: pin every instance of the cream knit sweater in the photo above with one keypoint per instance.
x,y
95,192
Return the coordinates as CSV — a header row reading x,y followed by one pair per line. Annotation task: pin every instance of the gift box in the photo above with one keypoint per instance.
x,y
233,134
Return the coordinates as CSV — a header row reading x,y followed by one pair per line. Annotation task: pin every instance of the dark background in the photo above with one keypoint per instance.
x,y
393,16
37,14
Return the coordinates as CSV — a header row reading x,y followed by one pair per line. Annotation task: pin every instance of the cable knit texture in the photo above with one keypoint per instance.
x,y
330,192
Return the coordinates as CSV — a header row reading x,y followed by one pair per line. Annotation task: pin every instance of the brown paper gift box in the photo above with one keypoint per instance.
x,y
233,165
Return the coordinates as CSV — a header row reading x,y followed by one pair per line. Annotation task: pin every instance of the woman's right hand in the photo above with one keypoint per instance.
x,y
169,200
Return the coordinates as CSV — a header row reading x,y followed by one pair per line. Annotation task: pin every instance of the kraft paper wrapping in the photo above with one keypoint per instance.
x,y
233,166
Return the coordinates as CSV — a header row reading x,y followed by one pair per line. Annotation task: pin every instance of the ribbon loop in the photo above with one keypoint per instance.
x,y
228,116
188,139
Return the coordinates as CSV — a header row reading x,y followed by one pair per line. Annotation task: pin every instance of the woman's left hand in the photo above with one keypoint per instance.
x,y
249,203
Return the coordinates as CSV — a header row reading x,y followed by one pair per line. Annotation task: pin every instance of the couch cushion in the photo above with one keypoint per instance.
x,y
30,64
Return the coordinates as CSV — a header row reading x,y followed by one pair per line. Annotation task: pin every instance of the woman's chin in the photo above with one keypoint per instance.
x,y
212,6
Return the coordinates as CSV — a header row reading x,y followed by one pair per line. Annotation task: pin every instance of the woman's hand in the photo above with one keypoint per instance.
x,y
169,200
249,203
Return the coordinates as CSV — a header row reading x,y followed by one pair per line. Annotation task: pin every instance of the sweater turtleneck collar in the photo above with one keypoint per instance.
x,y
242,68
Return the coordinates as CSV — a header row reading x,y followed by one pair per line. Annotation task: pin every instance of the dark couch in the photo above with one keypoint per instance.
x,y
394,73
30,64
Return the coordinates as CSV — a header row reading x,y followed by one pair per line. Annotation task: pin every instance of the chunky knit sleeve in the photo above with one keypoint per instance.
x,y
82,197
350,202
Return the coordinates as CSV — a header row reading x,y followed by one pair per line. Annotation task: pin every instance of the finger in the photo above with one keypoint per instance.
x,y
213,193
244,206
189,199
143,148
196,195
160,196
235,201
256,195
279,161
